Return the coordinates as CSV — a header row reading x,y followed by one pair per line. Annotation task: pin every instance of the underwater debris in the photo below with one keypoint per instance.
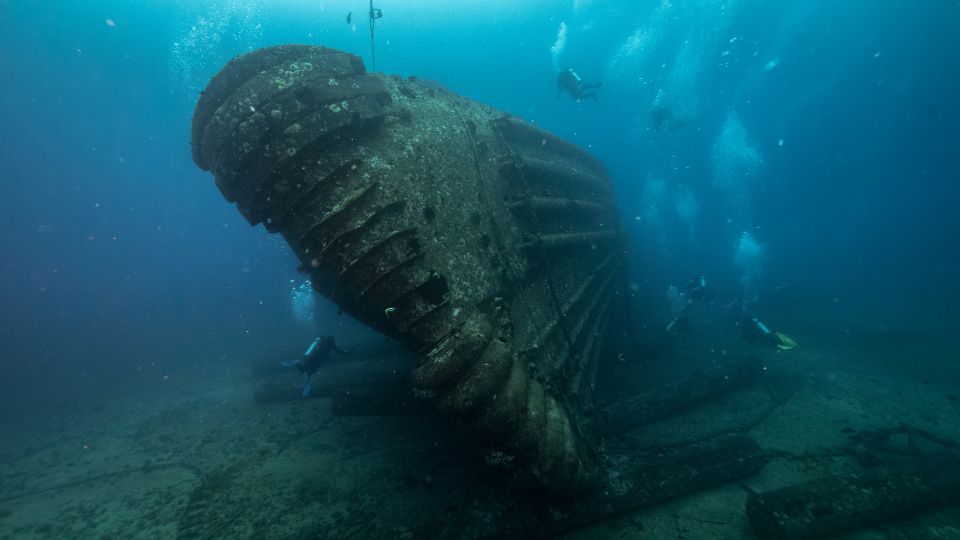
x,y
835,505
488,246
919,473
682,394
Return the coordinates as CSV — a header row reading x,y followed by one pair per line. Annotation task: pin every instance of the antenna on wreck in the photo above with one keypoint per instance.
x,y
375,13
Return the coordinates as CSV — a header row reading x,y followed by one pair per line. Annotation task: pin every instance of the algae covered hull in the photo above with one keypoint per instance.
x,y
489,246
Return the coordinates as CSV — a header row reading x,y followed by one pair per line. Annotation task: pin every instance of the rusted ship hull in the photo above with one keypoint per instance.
x,y
489,246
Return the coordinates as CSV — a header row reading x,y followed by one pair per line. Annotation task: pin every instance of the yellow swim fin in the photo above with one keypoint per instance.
x,y
786,342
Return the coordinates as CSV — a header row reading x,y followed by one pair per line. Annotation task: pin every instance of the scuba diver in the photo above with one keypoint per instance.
x,y
694,291
697,289
571,82
757,333
680,325
316,354
662,118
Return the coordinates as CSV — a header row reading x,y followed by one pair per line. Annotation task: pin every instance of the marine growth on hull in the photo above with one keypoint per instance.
x,y
487,245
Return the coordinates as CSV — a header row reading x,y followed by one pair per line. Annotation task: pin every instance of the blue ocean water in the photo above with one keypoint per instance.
x,y
804,155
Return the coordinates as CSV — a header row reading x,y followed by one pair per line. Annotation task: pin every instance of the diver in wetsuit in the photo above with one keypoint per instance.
x,y
316,354
755,332
571,82
680,325
694,291
697,289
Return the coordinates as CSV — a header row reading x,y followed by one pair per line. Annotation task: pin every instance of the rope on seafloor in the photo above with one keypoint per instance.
x,y
364,427
286,444
143,469
385,446
775,391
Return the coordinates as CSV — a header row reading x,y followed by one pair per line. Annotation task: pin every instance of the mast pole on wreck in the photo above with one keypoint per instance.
x,y
375,13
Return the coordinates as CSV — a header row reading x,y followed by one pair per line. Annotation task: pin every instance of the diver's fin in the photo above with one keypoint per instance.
x,y
787,343
306,385
290,363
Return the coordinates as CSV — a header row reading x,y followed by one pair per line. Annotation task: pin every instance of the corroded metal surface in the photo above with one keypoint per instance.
x,y
490,247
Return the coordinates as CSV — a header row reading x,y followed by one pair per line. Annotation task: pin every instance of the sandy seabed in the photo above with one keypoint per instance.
x,y
195,456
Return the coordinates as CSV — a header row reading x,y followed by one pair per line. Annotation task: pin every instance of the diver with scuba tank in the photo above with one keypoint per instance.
x,y
755,332
316,354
